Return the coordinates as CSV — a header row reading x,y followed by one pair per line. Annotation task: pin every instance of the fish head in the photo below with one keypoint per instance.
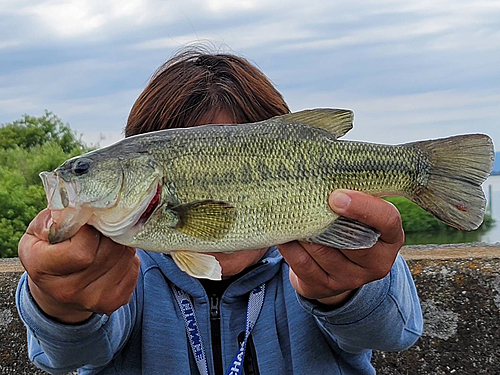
x,y
83,181
110,191
77,188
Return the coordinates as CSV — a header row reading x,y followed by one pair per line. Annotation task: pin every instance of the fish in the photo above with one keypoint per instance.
x,y
192,192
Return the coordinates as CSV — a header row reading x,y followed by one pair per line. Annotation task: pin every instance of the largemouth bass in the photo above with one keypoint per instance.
x,y
224,188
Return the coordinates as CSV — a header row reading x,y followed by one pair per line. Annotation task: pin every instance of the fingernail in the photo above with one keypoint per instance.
x,y
340,200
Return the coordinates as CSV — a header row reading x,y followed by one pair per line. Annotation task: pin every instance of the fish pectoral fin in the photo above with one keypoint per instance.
x,y
197,264
207,220
347,233
335,121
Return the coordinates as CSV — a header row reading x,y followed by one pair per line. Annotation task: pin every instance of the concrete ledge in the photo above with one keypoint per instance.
x,y
459,286
454,251
459,289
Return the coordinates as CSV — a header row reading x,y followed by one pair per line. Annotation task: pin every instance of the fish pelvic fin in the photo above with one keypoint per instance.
x,y
346,233
206,220
457,167
198,265
335,121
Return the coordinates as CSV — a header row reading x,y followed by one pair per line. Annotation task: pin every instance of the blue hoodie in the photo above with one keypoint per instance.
x,y
293,335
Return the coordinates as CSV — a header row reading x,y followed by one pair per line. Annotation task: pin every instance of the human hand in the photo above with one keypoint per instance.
x,y
331,275
86,274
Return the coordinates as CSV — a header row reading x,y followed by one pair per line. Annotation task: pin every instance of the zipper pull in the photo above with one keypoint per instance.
x,y
214,306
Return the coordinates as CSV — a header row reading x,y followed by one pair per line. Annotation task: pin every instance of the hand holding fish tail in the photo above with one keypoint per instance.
x,y
73,279
332,275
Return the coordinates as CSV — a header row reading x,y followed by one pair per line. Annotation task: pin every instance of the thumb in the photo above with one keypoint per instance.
x,y
39,226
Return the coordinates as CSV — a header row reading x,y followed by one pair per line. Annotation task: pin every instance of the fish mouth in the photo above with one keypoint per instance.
x,y
60,194
66,217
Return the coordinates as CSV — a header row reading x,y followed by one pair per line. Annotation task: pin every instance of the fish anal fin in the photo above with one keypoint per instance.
x,y
335,121
197,264
347,233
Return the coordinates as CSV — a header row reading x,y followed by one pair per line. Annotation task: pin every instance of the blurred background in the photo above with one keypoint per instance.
x,y
71,70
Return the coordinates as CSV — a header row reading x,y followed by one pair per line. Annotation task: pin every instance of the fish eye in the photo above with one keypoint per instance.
x,y
81,166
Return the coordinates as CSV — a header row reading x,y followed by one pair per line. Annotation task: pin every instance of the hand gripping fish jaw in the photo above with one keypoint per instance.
x,y
104,192
67,217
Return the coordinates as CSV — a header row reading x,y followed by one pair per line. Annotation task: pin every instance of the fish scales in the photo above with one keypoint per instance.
x,y
277,182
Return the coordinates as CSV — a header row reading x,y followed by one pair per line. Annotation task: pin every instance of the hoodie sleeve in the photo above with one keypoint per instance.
x,y
59,348
382,315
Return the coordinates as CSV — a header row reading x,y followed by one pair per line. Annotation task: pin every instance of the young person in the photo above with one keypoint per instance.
x,y
92,304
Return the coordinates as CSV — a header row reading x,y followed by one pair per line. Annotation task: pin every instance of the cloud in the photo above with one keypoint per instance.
x,y
239,37
69,19
411,117
230,5
379,34
9,43
410,70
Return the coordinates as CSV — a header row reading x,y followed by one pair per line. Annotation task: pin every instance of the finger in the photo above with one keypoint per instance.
x,y
26,243
331,260
72,290
127,285
114,288
376,261
340,268
107,255
72,255
298,258
321,269
369,210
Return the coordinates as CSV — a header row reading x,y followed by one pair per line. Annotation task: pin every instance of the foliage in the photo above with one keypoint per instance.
x,y
34,144
415,219
32,131
27,147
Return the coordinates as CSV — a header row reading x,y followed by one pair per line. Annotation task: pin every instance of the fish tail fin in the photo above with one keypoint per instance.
x,y
457,168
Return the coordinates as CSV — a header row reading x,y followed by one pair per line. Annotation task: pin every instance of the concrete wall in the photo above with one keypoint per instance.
x,y
459,287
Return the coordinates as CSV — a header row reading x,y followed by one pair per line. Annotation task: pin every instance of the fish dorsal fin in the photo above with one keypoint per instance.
x,y
206,220
335,121
198,265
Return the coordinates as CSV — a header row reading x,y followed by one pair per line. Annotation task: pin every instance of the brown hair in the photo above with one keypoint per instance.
x,y
193,87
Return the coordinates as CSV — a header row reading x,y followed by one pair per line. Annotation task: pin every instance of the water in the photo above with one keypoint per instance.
x,y
491,235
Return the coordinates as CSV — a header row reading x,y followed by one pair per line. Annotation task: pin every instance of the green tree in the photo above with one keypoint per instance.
x,y
32,131
416,220
27,147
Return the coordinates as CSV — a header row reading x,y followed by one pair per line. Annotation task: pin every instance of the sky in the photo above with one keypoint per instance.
x,y
409,70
